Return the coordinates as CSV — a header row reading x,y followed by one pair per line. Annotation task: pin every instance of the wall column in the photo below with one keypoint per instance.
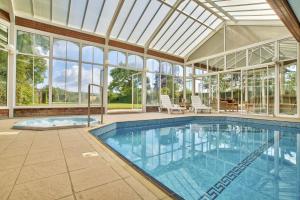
x,y
144,84
105,78
11,92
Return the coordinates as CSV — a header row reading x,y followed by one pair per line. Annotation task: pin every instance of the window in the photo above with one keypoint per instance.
x,y
236,60
135,62
3,36
288,91
3,77
153,84
117,58
287,49
188,71
166,68
178,70
91,72
3,65
261,54
200,68
32,69
216,64
152,65
65,72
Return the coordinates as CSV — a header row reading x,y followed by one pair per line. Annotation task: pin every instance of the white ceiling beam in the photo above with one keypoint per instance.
x,y
163,22
220,26
219,8
114,19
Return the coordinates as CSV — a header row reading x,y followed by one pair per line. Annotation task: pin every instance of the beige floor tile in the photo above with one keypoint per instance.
x,y
14,152
11,162
8,177
77,152
120,170
91,177
67,198
45,156
54,187
41,170
112,191
140,189
5,191
75,163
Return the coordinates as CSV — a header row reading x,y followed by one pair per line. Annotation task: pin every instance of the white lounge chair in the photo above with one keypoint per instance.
x,y
165,103
198,105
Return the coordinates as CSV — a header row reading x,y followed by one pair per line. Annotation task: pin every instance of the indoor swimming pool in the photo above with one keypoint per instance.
x,y
212,157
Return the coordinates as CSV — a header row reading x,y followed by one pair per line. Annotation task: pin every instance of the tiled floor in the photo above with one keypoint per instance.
x,y
42,165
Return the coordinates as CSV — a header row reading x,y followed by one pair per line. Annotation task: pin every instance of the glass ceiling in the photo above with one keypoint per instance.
x,y
171,26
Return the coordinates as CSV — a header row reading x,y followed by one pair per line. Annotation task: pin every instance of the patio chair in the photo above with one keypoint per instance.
x,y
165,103
197,104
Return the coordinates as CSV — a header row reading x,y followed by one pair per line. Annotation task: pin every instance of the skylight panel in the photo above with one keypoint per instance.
x,y
76,13
238,2
153,25
42,9
23,6
133,18
266,17
191,41
196,42
122,17
199,10
190,7
60,11
204,16
146,19
93,11
254,12
170,31
106,16
247,7
164,28
176,35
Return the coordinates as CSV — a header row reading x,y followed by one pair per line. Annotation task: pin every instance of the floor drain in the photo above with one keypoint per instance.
x,y
90,154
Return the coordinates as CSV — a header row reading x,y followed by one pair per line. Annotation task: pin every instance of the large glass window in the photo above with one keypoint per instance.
x,y
288,90
216,64
258,90
236,60
166,68
200,68
65,72
92,60
153,85
117,58
261,54
287,49
135,62
3,77
32,69
3,65
152,65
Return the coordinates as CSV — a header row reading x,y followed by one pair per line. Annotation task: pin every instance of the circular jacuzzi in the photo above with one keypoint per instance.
x,y
47,123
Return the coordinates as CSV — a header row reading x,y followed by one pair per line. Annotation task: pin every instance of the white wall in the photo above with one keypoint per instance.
x,y
237,36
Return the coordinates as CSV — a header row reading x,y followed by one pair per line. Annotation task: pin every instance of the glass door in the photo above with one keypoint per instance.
x,y
137,91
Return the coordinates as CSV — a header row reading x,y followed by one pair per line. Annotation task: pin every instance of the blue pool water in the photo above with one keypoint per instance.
x,y
213,159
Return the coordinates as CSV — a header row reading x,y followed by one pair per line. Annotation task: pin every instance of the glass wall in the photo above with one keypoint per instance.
x,y
91,72
166,86
259,90
178,83
3,64
188,83
65,78
153,82
32,69
124,80
288,90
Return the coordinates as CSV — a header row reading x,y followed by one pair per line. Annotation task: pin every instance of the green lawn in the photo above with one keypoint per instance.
x,y
123,106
